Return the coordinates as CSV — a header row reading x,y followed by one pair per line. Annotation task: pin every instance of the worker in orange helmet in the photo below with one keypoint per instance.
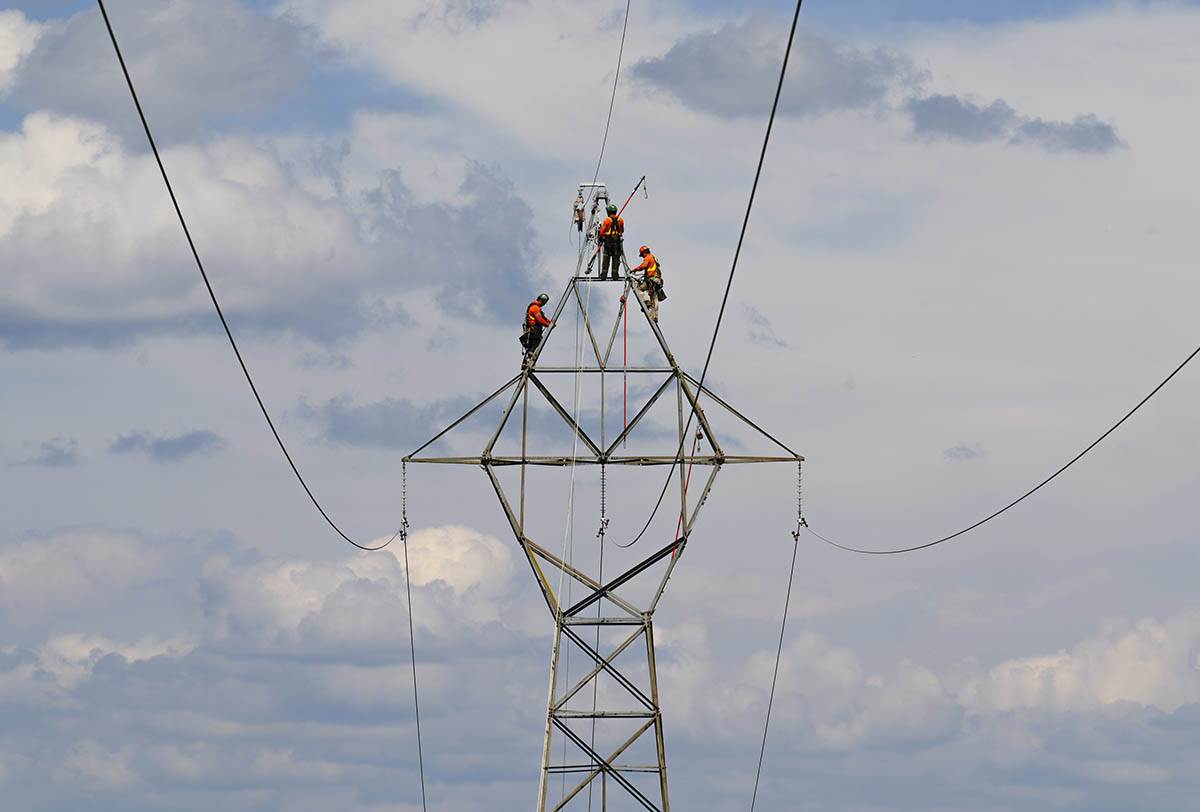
x,y
612,243
650,286
535,323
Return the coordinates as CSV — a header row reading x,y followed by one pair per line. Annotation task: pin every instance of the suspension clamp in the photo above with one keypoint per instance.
x,y
800,525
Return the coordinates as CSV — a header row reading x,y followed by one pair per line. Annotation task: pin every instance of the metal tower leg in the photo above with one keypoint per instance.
x,y
658,722
633,705
544,782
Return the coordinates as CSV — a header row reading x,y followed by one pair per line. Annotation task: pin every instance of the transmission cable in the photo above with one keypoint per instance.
x,y
732,270
403,530
216,304
762,752
412,635
1027,493
611,102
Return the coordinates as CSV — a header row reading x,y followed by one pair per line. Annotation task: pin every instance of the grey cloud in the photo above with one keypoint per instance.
x,y
330,360
57,452
1083,134
391,423
459,15
399,424
953,117
168,448
192,62
963,451
284,257
482,255
760,328
281,681
733,71
196,675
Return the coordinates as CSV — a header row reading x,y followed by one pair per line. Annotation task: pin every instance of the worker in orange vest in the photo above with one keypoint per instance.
x,y
612,243
650,286
535,323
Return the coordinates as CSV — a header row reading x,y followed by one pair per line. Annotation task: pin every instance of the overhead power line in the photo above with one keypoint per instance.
x,y
613,99
700,391
762,752
216,304
762,157
1027,493
403,529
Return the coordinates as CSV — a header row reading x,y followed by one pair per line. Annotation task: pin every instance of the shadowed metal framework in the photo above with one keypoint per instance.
x,y
608,723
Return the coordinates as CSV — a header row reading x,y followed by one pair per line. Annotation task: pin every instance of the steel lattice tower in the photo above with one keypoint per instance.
x,y
609,720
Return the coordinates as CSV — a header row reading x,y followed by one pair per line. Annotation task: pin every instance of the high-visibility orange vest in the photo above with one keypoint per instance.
x,y
534,316
612,229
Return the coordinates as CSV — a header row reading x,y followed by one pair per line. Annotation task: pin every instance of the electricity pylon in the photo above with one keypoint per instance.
x,y
609,720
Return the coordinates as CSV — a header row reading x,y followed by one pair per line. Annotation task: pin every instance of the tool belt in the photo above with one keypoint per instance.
x,y
654,287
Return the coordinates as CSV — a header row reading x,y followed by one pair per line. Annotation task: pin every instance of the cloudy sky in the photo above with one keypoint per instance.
x,y
969,256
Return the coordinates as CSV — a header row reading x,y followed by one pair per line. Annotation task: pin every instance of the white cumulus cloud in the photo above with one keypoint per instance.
x,y
18,36
1153,663
72,568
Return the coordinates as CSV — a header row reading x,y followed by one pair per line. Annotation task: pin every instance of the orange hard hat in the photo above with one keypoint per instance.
x,y
645,249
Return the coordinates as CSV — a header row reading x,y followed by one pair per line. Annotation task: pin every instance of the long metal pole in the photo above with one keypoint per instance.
x,y
682,444
544,780
658,723
524,445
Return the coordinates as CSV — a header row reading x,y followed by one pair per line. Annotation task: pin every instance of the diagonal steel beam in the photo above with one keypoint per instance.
x,y
742,417
621,679
519,532
587,323
606,766
638,417
605,591
459,421
508,410
582,578
562,303
569,695
699,412
617,326
658,336
564,414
